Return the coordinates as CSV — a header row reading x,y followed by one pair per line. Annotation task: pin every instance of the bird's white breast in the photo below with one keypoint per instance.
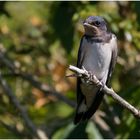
x,y
96,57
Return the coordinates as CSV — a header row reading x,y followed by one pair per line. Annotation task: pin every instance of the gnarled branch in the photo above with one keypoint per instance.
x,y
108,91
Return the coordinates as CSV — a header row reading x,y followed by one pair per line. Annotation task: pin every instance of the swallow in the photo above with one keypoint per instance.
x,y
97,54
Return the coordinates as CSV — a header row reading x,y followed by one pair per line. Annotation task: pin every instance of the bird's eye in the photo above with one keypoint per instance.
x,y
97,23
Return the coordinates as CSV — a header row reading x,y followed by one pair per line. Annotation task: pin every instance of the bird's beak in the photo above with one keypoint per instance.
x,y
90,29
87,25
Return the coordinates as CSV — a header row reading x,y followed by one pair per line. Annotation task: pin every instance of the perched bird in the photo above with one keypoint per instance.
x,y
97,54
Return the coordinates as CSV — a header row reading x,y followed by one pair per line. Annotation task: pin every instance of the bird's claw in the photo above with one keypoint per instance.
x,y
93,78
86,72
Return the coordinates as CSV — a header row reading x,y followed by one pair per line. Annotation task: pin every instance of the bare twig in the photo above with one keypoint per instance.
x,y
110,92
46,89
35,132
33,81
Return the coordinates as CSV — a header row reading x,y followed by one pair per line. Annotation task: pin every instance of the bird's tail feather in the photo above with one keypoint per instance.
x,y
97,101
78,117
82,116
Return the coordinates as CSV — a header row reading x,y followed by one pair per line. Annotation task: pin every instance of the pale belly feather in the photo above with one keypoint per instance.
x,y
96,60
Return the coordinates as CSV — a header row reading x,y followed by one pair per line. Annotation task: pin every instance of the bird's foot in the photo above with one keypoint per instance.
x,y
102,84
93,79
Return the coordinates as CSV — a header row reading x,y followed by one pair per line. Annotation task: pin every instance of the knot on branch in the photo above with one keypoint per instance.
x,y
137,114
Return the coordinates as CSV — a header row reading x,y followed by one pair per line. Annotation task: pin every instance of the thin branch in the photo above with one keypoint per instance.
x,y
23,112
45,89
110,92
33,81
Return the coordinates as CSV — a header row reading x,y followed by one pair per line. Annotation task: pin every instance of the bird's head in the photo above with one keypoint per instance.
x,y
94,26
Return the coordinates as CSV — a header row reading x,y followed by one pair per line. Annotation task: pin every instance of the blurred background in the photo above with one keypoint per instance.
x,y
38,41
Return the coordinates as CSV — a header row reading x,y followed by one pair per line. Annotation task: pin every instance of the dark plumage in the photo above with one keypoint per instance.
x,y
97,53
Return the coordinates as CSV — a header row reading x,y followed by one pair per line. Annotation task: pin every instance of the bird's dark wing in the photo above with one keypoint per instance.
x,y
79,62
113,59
80,96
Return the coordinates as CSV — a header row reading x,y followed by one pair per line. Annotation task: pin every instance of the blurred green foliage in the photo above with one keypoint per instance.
x,y
42,39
